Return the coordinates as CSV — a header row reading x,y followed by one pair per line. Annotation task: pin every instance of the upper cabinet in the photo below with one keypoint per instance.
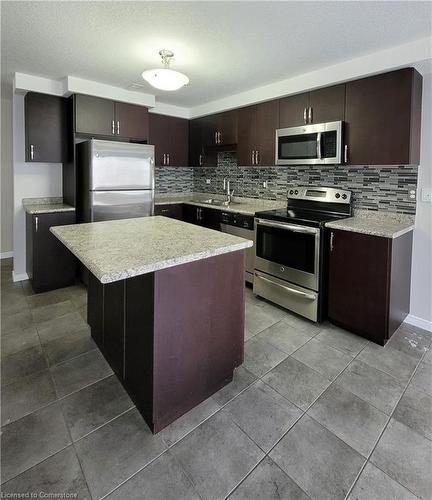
x,y
256,133
170,138
199,155
318,106
220,129
97,116
383,116
46,128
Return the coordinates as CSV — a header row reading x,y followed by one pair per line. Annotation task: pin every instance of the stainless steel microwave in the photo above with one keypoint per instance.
x,y
310,144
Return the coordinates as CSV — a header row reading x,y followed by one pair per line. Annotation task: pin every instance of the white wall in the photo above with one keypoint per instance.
x,y
6,177
421,280
30,180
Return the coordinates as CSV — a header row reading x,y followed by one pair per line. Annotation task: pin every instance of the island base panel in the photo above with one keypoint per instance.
x,y
172,337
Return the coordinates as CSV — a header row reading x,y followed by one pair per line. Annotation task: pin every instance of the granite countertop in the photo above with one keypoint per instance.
x,y
45,205
384,224
247,206
119,249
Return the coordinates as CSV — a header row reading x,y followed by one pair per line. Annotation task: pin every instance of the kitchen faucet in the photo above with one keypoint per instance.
x,y
229,194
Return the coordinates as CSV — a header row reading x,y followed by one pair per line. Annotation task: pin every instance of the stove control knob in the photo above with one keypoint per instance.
x,y
291,191
337,195
282,268
296,192
344,196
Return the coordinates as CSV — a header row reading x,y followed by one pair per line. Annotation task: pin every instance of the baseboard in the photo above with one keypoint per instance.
x,y
19,277
6,255
420,322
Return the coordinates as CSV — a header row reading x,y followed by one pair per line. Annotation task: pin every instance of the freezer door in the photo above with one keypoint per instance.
x,y
120,165
111,205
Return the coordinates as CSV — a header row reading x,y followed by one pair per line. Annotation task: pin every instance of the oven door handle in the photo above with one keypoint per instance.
x,y
288,289
288,227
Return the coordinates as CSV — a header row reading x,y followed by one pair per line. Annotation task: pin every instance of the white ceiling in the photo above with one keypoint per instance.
x,y
224,47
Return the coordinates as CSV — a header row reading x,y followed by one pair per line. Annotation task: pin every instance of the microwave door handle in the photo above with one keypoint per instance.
x,y
319,145
288,227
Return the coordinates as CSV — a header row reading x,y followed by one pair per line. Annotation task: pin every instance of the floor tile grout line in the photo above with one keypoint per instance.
x,y
382,433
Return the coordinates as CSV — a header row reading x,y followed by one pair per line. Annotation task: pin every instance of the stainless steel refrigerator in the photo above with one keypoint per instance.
x,y
115,180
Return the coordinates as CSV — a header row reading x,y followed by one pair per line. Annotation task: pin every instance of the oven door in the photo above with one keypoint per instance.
x,y
288,251
310,144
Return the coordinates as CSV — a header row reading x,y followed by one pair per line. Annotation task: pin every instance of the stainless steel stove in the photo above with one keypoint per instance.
x,y
290,262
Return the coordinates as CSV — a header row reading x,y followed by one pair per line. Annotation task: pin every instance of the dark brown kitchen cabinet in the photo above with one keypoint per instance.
x,y
369,283
220,129
103,117
131,121
46,128
50,265
202,216
256,133
172,210
383,116
318,106
199,156
170,137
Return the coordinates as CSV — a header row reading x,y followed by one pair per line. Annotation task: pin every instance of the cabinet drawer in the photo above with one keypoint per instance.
x,y
173,210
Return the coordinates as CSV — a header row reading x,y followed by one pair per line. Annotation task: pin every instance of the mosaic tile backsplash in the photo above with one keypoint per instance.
x,y
374,188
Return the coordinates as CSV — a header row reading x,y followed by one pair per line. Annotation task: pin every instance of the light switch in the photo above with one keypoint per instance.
x,y
426,195
208,181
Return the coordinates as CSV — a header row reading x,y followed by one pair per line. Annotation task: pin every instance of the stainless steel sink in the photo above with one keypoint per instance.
x,y
220,203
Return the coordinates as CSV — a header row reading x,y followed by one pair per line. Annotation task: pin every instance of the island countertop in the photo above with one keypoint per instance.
x,y
120,249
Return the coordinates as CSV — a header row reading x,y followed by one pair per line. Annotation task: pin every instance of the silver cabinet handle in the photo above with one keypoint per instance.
x,y
310,114
164,159
288,227
118,127
216,137
31,152
113,127
305,115
253,157
331,241
256,157
168,159
220,137
36,224
287,288
200,160
346,153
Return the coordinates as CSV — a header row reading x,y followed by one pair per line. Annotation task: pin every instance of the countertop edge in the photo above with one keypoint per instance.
x,y
175,261
370,232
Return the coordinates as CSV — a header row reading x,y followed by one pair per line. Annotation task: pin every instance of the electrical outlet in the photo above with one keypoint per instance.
x,y
412,194
265,184
426,195
208,181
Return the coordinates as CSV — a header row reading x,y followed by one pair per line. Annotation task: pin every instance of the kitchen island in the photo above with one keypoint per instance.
x,y
165,307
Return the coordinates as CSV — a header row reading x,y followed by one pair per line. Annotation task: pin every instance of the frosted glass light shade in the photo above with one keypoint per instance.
x,y
165,79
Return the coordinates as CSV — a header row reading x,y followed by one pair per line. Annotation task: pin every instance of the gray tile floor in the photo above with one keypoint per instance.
x,y
314,412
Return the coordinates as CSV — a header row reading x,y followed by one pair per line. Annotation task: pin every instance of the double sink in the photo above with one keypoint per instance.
x,y
218,203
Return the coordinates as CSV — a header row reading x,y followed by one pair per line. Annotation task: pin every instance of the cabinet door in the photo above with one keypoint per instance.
x,y
210,218
328,104
246,135
45,128
159,136
383,119
131,121
227,127
267,119
358,283
292,110
93,115
179,135
196,142
53,266
172,210
191,214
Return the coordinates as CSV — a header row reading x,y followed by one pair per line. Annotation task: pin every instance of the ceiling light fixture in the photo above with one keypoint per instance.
x,y
165,78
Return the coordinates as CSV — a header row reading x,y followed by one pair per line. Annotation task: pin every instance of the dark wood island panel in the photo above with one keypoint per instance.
x,y
173,337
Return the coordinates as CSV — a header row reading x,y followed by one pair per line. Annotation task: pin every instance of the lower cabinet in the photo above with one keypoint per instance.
x,y
172,210
49,263
202,216
369,283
